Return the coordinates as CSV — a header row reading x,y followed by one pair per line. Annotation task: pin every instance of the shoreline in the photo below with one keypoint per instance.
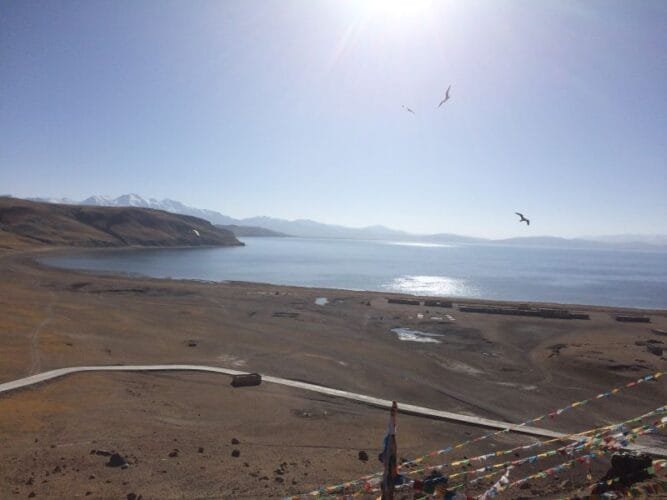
x,y
73,251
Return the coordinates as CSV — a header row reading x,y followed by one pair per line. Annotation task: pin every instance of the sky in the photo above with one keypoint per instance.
x,y
294,109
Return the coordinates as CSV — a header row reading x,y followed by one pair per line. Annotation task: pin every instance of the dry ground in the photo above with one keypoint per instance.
x,y
507,368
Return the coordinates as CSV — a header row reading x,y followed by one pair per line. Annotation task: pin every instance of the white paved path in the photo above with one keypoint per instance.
x,y
381,403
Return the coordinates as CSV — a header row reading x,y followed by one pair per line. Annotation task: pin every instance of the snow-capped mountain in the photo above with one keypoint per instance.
x,y
134,200
127,200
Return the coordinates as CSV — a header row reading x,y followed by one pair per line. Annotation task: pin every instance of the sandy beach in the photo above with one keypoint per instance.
x,y
177,429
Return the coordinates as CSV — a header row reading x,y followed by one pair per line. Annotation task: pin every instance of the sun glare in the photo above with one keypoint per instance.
x,y
396,8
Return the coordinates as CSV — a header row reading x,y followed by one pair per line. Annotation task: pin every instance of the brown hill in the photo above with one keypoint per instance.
x,y
27,223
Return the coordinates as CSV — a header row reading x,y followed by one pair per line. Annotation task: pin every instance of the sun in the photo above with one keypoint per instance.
x,y
395,8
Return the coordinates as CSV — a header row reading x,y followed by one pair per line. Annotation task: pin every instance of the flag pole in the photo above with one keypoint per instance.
x,y
388,456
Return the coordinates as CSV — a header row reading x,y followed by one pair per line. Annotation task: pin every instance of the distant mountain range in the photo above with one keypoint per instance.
x,y
268,226
250,231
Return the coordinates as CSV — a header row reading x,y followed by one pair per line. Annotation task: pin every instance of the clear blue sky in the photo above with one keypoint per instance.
x,y
292,109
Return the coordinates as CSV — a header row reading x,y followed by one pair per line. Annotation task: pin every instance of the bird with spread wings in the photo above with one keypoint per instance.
x,y
447,96
523,219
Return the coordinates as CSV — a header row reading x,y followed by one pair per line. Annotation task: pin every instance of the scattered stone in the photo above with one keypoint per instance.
x,y
92,476
173,453
363,456
200,450
629,467
294,481
117,460
235,441
264,478
280,472
32,494
133,496
653,349
30,482
57,469
278,479
102,453
236,453
556,348
88,493
246,464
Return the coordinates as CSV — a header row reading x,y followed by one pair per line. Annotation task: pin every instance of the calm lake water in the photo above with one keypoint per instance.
x,y
600,277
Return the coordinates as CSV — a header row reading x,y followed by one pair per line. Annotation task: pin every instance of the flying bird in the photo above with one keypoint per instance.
x,y
523,219
446,96
408,109
196,232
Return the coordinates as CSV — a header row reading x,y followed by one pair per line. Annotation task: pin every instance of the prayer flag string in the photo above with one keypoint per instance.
x,y
616,442
327,490
581,442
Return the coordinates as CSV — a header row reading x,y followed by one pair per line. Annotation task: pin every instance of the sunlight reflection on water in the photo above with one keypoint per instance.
x,y
432,285
418,244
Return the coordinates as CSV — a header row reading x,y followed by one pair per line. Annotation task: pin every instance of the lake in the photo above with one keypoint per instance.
x,y
598,277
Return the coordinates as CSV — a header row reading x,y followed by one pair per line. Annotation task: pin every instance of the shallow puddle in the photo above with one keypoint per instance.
x,y
409,335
